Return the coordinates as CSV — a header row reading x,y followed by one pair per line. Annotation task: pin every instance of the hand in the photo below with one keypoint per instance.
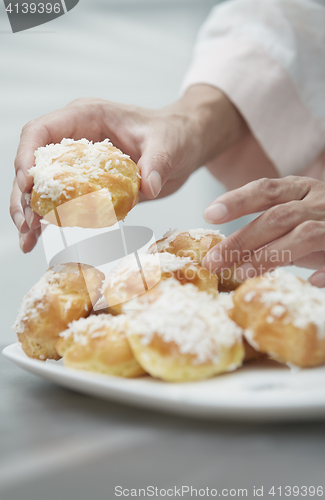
x,y
167,144
290,231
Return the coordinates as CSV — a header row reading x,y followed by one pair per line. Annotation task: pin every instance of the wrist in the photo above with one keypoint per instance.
x,y
217,121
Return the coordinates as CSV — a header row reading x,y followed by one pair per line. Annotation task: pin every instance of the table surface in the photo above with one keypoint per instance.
x,y
60,444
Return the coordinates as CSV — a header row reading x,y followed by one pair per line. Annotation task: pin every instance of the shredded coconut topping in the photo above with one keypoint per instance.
x,y
81,160
278,311
304,303
196,234
250,335
94,326
249,296
192,319
226,300
31,305
171,263
28,198
150,263
33,302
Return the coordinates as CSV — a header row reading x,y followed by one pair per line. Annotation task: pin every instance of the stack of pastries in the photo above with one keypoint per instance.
x,y
169,317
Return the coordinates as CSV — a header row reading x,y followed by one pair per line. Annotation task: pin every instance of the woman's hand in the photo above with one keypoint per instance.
x,y
167,144
290,231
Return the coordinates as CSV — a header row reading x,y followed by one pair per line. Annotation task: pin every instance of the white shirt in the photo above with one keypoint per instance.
x,y
268,57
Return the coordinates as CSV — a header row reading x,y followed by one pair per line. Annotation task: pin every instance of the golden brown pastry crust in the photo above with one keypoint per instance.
x,y
196,244
179,334
275,323
65,293
164,361
99,344
127,281
77,183
226,301
252,354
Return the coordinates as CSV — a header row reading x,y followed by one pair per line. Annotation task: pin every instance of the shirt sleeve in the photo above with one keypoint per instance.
x,y
268,57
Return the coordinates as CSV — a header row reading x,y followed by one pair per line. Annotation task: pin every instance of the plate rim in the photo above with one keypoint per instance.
x,y
119,390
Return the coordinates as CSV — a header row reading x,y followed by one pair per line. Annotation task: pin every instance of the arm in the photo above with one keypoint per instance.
x,y
268,57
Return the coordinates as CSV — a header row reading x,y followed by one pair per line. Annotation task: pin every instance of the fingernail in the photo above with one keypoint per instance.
x,y
155,183
318,280
245,272
213,261
18,220
21,180
216,213
21,243
29,215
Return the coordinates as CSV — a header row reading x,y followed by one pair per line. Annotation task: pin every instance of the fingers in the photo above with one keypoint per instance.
x,y
42,131
314,260
33,219
256,196
170,151
305,239
268,227
156,165
33,135
277,221
28,241
16,210
169,188
160,164
318,278
27,237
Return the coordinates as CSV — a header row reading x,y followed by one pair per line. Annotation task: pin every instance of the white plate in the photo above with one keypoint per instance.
x,y
259,391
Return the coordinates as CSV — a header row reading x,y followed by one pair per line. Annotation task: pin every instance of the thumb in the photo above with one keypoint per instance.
x,y
156,166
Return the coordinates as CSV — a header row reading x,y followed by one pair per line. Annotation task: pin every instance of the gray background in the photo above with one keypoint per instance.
x,y
56,444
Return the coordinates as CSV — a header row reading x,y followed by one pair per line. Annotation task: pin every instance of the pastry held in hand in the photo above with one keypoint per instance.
x,y
178,333
99,344
284,317
195,244
78,183
128,280
66,292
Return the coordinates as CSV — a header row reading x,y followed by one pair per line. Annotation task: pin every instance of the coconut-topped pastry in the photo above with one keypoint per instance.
x,y
99,344
226,300
135,275
85,184
178,333
283,316
195,243
66,292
